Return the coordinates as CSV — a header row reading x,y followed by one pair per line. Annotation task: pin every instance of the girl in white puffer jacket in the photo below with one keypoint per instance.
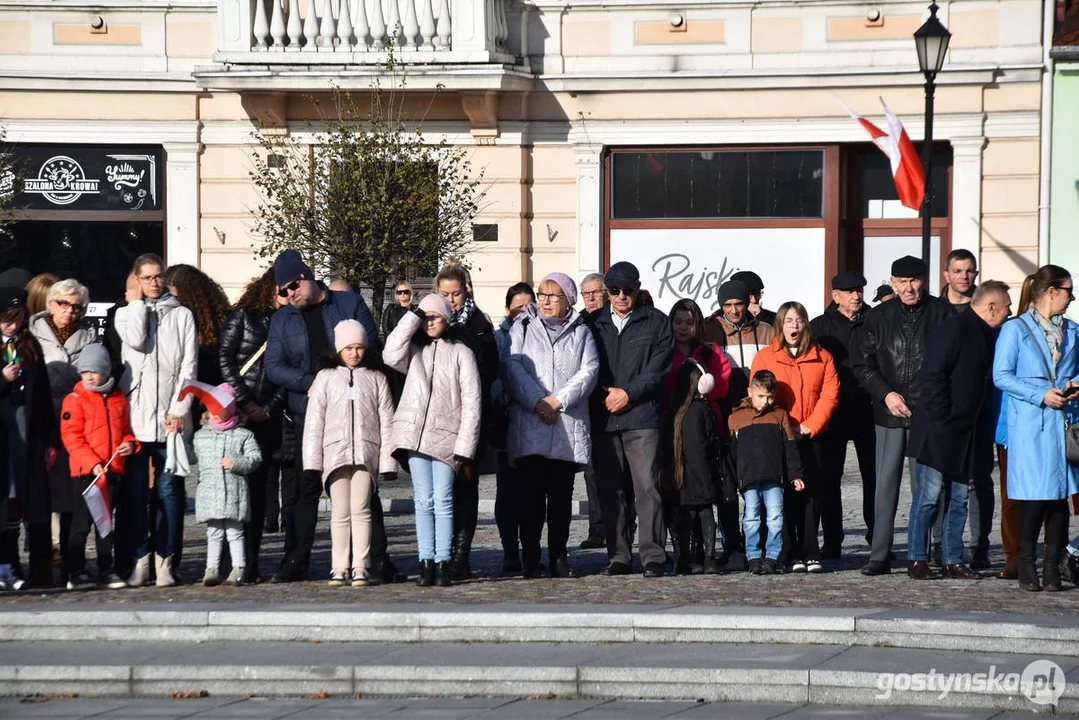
x,y
348,439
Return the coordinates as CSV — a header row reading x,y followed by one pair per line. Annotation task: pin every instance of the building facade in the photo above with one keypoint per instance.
x,y
694,138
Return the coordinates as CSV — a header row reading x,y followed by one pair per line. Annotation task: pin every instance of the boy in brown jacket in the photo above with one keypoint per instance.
x,y
765,456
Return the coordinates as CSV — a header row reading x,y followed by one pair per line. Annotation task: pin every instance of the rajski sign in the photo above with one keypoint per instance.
x,y
83,177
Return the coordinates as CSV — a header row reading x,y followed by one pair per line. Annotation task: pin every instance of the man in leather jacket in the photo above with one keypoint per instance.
x,y
891,347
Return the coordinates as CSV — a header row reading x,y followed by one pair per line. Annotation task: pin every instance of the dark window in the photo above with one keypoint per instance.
x,y
485,232
716,184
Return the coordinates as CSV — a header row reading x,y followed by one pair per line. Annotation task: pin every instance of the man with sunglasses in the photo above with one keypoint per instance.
x,y
301,335
636,350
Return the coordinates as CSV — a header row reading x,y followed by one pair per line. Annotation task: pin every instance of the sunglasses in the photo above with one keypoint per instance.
x,y
404,292
432,319
1069,290
290,288
617,290
77,307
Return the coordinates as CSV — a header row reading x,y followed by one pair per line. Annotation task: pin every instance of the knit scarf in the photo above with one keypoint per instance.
x,y
462,316
105,388
1053,330
232,422
62,334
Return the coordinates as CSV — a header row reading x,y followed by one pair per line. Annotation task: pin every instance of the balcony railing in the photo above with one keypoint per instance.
x,y
362,31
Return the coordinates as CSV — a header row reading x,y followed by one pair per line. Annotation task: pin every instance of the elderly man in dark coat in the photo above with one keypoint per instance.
x,y
946,433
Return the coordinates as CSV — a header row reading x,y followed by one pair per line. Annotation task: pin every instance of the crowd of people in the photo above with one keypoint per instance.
x,y
726,435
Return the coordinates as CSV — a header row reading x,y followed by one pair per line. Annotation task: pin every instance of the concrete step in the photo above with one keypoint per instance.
x,y
506,623
798,673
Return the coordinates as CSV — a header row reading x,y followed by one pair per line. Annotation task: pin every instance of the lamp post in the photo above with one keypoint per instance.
x,y
931,41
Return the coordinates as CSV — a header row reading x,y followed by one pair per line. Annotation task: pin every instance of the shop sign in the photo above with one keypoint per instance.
x,y
89,178
7,183
693,263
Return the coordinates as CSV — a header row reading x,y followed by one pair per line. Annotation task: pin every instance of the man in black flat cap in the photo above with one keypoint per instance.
x,y
755,286
884,293
636,349
892,344
853,420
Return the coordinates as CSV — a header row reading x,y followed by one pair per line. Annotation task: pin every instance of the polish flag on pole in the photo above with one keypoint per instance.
x,y
96,496
906,167
213,397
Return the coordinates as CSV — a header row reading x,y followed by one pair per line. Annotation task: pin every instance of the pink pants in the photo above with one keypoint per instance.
x,y
350,518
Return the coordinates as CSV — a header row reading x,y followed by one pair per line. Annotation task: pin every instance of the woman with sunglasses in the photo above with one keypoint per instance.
x,y
62,332
1037,367
403,295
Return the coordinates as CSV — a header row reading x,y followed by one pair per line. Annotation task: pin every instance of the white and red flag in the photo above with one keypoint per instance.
x,y
896,144
215,398
96,496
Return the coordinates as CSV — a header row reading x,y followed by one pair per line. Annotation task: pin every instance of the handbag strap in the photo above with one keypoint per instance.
x,y
1045,357
252,360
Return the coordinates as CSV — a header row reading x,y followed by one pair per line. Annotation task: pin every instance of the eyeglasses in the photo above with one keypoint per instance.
x,y
593,293
152,279
550,297
1070,290
616,290
432,319
794,322
290,288
404,292
67,305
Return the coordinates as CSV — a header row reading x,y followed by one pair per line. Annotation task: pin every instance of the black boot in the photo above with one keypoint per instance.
x,y
1051,568
683,550
696,553
445,577
466,501
711,567
461,550
427,573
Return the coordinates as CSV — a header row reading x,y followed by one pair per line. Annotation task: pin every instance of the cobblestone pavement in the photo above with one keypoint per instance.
x,y
842,586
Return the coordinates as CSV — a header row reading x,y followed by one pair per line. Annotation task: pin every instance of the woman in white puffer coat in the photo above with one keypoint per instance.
x,y
348,440
437,423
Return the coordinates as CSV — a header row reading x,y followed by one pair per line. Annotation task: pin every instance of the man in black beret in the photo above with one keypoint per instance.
x,y
835,330
892,344
755,286
636,349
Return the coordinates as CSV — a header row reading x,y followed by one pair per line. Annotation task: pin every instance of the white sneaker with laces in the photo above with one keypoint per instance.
x,y
814,567
798,567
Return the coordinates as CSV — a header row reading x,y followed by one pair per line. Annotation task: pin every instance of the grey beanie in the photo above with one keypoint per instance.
x,y
95,358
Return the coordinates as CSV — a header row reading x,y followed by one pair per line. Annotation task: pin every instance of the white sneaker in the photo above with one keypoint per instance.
x,y
798,567
359,579
814,567
236,577
338,579
212,578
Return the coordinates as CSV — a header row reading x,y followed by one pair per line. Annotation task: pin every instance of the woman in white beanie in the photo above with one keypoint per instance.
x,y
437,424
347,440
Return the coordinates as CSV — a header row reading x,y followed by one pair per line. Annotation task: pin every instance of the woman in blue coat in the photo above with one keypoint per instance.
x,y
1037,362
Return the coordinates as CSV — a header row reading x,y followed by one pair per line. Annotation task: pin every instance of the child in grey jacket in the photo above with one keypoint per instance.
x,y
226,455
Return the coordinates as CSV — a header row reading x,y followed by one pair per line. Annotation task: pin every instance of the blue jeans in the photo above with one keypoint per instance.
x,y
169,494
771,496
432,485
930,487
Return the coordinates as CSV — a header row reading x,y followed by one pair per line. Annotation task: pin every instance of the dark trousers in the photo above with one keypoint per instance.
x,y
507,502
291,469
545,493
833,458
980,507
801,516
268,437
1033,514
628,466
82,523
596,528
1010,515
734,541
694,531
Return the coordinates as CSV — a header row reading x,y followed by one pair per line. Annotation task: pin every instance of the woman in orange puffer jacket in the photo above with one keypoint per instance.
x,y
95,426
808,389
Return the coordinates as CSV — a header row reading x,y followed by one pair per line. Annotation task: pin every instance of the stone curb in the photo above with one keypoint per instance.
x,y
998,633
742,684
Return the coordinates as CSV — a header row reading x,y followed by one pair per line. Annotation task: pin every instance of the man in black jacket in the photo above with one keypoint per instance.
x,y
892,343
636,350
853,419
950,437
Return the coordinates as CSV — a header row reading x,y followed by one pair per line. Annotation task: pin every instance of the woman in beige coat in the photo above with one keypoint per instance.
x,y
437,424
348,440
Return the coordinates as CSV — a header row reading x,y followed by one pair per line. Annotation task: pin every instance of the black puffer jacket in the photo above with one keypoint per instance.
x,y
891,346
243,333
836,333
636,360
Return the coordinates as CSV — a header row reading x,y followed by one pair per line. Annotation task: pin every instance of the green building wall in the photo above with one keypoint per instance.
x,y
1064,187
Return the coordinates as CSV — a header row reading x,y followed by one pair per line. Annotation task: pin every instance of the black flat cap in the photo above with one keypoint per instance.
x,y
849,280
622,274
882,292
908,266
12,298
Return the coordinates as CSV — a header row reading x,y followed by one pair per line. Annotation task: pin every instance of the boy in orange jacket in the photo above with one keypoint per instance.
x,y
95,426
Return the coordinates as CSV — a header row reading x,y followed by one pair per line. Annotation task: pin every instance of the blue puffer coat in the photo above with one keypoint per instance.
x,y
1037,466
539,363
287,359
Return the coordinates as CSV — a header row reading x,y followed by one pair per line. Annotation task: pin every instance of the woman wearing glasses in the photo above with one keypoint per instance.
x,y
1037,367
549,372
436,428
807,387
159,351
62,333
392,314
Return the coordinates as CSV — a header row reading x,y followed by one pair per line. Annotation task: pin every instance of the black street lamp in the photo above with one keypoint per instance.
x,y
931,40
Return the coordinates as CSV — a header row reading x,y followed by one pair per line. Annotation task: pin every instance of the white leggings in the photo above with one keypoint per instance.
x,y
216,532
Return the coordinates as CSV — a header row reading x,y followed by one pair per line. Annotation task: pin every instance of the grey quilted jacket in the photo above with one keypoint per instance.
x,y
564,364
221,493
349,421
439,411
61,360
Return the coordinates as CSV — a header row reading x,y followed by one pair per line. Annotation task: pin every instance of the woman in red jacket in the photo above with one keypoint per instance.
x,y
687,326
808,389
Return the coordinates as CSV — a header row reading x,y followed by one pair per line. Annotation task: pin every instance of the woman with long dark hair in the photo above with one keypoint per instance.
x,y
207,301
27,445
239,356
1037,366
